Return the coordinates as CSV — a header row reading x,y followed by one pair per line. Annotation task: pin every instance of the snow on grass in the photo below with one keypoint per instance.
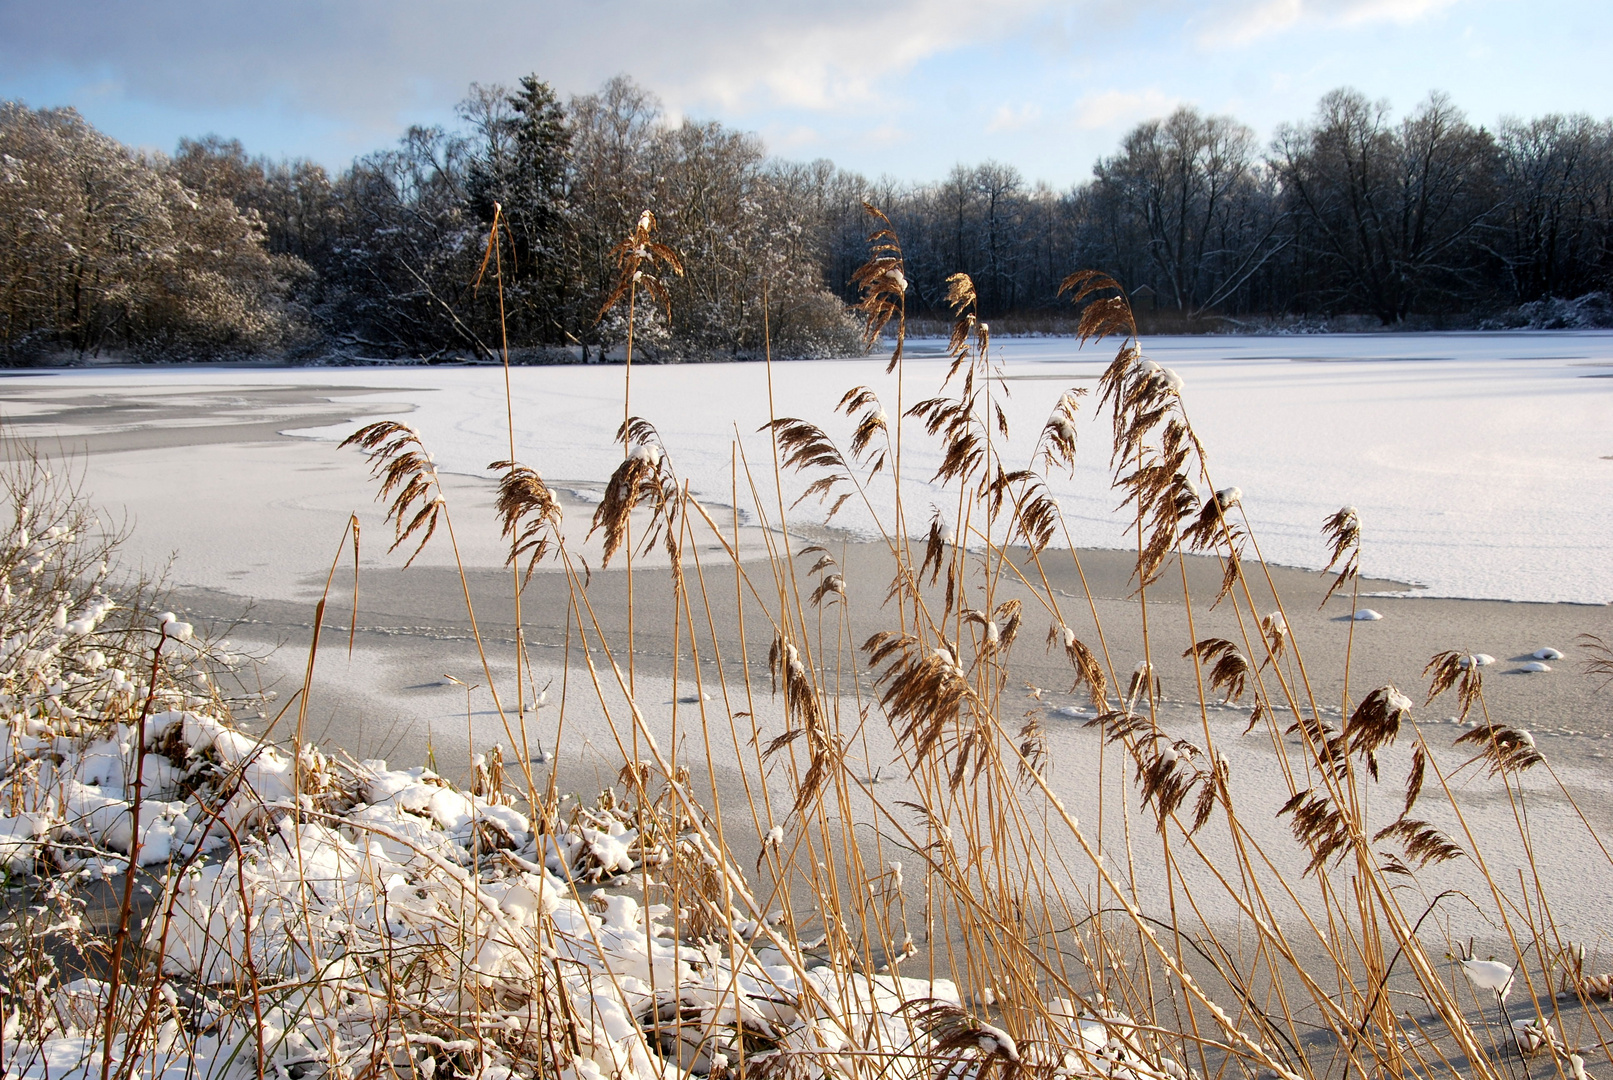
x,y
415,895
366,862
388,909
1489,975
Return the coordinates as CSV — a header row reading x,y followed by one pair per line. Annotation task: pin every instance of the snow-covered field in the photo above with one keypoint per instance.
x,y
1481,463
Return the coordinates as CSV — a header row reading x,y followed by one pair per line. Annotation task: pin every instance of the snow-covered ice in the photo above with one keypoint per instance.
x,y
1468,455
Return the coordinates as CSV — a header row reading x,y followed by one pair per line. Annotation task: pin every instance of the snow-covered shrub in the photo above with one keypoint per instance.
x,y
83,674
1594,310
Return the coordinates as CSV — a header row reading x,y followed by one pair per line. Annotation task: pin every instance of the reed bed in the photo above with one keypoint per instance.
x,y
287,911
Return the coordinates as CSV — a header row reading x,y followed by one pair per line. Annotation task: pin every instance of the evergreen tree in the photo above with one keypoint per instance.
x,y
522,168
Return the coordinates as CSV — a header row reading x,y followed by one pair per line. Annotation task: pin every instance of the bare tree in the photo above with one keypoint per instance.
x,y
1190,186
1394,210
1554,229
102,248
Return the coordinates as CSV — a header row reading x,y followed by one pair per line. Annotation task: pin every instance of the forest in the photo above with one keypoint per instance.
x,y
1348,219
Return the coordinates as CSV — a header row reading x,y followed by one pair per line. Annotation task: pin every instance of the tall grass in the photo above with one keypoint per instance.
x,y
954,919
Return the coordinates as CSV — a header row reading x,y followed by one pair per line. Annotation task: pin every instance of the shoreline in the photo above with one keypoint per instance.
x,y
237,547
334,361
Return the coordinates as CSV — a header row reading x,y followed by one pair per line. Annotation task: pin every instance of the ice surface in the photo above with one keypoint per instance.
x,y
1468,455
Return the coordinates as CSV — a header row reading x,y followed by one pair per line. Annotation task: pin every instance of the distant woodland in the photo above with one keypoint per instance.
x,y
1346,218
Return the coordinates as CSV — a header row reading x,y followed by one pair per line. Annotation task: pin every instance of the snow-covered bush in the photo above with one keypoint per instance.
x,y
1594,310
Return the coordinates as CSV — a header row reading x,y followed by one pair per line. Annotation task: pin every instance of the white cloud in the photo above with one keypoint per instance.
x,y
1008,118
1351,12
1239,22
832,55
886,134
373,61
1112,108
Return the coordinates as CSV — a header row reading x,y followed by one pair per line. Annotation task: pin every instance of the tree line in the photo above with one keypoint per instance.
x,y
1347,213
211,251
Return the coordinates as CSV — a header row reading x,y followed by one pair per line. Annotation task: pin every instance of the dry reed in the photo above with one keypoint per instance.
x,y
624,938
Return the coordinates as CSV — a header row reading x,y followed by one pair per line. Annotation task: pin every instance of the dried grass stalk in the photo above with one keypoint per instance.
x,y
1087,668
1600,661
1319,824
644,476
1343,532
1505,749
804,716
924,688
1103,315
1422,843
1056,448
408,477
1461,670
637,257
1144,679
882,280
1168,770
960,1044
1274,629
1375,723
530,513
1229,668
872,422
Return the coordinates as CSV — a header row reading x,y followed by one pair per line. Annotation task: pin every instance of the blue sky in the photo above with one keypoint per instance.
x,y
899,87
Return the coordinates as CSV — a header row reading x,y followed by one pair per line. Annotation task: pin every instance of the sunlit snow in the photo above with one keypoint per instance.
x,y
1468,455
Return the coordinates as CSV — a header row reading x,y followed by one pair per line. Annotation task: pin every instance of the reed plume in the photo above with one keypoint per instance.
x,y
644,477
882,280
640,260
1343,531
530,514
408,476
1447,669
1600,660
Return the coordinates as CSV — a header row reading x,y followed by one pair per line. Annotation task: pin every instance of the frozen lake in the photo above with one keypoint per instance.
x,y
1481,464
